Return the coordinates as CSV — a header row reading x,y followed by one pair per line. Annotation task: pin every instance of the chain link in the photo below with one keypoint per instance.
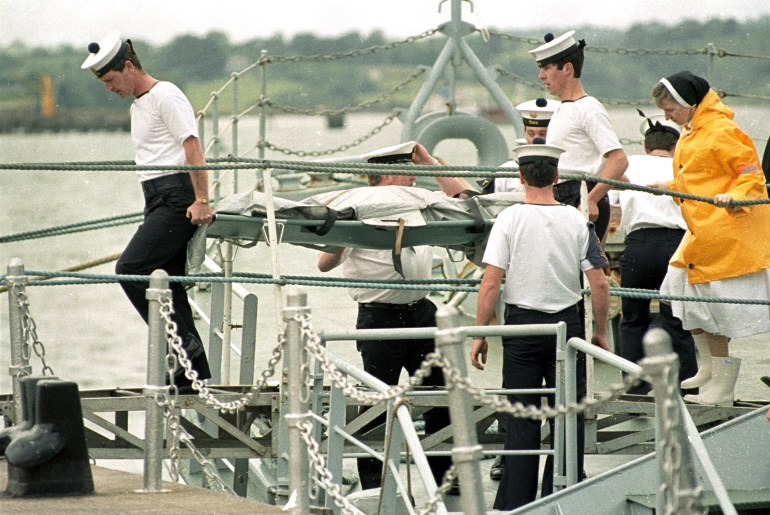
x,y
168,401
346,55
341,148
29,332
676,499
348,109
324,477
605,50
175,342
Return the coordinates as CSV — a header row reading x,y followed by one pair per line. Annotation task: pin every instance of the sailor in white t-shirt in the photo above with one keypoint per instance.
x,y
541,248
535,116
580,126
654,227
164,133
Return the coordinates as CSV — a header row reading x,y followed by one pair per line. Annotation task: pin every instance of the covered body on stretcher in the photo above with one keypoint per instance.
x,y
379,217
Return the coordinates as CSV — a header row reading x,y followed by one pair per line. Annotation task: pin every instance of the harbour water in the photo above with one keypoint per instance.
x,y
90,333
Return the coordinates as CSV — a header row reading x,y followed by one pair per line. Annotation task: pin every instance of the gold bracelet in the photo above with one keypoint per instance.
x,y
202,200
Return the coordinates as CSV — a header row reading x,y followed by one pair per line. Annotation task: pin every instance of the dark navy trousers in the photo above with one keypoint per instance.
x,y
160,242
384,359
643,264
530,362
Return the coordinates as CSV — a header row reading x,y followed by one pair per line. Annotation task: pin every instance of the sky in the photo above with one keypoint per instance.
x,y
49,23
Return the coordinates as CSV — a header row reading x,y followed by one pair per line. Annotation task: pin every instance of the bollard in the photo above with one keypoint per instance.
x,y
466,451
296,403
680,491
27,386
19,358
156,370
49,456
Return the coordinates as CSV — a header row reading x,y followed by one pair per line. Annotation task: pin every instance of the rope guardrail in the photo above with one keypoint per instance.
x,y
439,285
360,169
101,223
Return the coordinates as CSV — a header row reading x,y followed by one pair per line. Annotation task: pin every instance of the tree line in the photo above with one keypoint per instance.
x,y
200,64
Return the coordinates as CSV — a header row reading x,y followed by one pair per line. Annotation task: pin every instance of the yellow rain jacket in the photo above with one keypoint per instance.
x,y
714,156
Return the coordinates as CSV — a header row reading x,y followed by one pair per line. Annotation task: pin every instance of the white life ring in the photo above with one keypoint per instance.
x,y
485,136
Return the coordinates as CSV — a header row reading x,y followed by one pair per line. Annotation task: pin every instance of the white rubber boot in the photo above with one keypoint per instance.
x,y
704,363
720,391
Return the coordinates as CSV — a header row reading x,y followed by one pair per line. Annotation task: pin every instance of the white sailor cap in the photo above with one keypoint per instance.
x,y
401,153
538,112
105,54
556,48
657,122
524,154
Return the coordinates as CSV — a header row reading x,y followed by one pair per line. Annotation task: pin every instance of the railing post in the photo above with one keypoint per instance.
x,y
679,492
466,450
156,369
565,470
20,367
296,304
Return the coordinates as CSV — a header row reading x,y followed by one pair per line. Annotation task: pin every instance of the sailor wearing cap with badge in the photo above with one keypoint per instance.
x,y
164,133
542,248
653,228
535,116
581,126
395,308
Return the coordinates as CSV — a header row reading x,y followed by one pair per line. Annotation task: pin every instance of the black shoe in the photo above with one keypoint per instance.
x,y
765,379
496,470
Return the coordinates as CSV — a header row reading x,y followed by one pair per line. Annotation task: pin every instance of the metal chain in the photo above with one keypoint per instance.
x,y
441,491
605,50
341,148
454,379
676,500
325,478
175,342
345,55
347,109
167,399
29,332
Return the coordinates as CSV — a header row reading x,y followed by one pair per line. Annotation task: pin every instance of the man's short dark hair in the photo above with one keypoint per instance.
x,y
576,58
660,140
540,172
128,55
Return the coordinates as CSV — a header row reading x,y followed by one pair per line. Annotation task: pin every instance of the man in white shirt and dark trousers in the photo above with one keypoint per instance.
x,y
395,308
654,227
164,133
541,248
581,126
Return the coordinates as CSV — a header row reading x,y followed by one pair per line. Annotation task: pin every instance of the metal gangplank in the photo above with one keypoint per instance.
x,y
257,432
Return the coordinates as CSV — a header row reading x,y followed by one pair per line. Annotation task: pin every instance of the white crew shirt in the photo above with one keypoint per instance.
x,y
161,120
543,250
377,264
640,210
583,129
504,184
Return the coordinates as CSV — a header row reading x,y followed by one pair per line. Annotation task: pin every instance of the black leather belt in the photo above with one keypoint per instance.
x,y
655,234
175,179
393,307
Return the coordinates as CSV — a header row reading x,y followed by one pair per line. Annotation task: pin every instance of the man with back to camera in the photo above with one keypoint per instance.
x,y
580,126
395,308
164,133
654,227
535,116
541,248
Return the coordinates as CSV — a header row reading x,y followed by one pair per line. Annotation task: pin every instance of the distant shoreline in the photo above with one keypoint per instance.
x,y
25,122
